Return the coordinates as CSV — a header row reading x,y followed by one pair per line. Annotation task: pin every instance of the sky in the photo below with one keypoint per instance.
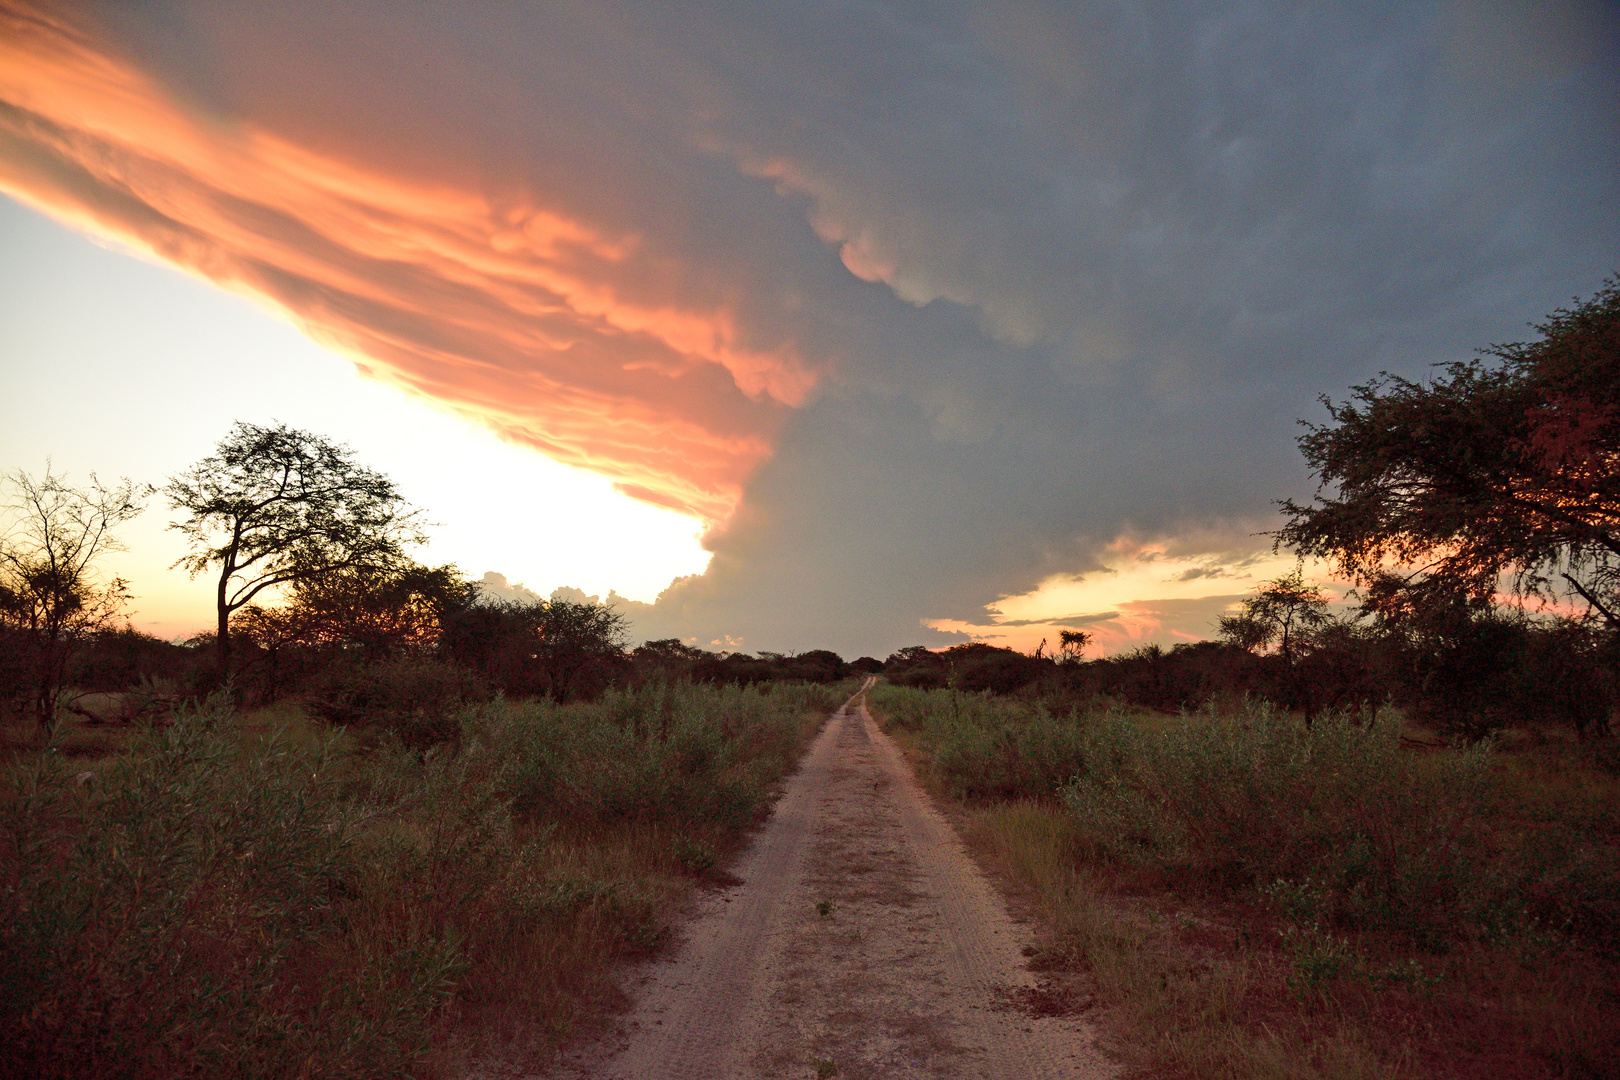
x,y
845,325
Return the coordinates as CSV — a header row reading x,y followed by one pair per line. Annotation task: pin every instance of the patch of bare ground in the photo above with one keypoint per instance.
x,y
862,942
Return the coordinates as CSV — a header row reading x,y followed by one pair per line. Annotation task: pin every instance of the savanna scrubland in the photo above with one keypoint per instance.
x,y
386,826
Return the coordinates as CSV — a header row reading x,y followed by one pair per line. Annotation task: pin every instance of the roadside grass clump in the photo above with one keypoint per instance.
x,y
264,894
983,747
682,754
1334,823
1254,898
161,919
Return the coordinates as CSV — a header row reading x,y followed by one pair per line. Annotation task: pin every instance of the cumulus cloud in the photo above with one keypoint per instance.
x,y
920,305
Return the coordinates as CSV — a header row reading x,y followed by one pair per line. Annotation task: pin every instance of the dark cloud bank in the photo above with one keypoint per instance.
x,y
1054,273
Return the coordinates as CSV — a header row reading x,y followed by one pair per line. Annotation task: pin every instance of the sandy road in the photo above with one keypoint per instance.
x,y
861,942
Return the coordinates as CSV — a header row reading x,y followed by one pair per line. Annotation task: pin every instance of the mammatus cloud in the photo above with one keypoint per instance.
x,y
928,308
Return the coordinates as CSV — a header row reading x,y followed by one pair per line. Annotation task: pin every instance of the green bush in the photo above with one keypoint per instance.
x,y
1335,819
688,753
984,747
159,922
216,903
418,699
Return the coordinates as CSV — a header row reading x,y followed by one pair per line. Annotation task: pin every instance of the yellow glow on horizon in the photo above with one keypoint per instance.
x,y
1143,593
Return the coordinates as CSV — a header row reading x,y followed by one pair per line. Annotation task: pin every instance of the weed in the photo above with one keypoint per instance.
x,y
235,899
824,908
694,855
1365,908
1317,959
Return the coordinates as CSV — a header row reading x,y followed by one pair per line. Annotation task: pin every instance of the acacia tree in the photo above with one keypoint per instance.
x,y
1284,612
51,596
1506,467
382,611
275,506
561,649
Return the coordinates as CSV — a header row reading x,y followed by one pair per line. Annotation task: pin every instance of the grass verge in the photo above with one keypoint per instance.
x,y
1251,899
261,895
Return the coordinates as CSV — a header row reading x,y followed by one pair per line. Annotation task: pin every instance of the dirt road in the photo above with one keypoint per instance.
x,y
861,942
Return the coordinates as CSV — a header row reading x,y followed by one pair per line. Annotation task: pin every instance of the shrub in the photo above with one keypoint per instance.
x,y
685,753
165,923
1381,839
416,698
220,904
984,748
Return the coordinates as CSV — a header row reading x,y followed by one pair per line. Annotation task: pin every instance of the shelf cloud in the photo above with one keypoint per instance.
x,y
918,306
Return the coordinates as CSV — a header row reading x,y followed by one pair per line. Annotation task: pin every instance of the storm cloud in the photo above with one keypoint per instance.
x,y
918,305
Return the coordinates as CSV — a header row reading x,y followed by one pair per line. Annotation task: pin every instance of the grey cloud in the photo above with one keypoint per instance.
x,y
1068,271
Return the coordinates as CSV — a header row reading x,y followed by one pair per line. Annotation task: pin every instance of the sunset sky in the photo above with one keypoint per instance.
x,y
846,325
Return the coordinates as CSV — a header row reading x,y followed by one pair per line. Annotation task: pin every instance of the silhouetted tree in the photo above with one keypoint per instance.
x,y
665,660
381,610
275,506
560,649
1505,466
1284,612
51,596
1071,643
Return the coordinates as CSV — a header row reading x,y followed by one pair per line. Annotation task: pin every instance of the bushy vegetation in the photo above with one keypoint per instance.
x,y
986,748
1340,863
250,895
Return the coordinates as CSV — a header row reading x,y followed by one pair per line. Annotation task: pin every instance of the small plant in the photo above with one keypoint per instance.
x,y
694,855
824,1068
1410,973
1317,959
1299,902
824,908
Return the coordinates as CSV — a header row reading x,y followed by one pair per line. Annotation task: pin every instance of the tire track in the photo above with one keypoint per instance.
x,y
862,942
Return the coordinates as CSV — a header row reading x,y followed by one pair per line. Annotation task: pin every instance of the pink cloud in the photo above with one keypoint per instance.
x,y
556,331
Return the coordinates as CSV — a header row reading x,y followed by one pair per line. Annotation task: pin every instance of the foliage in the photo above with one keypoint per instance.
x,y
1379,838
276,506
221,904
381,611
972,666
417,699
562,649
665,660
1071,643
1285,612
51,596
1505,465
741,669
684,752
984,748
162,923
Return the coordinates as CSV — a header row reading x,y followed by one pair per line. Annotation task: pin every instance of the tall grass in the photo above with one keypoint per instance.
x,y
1334,823
983,747
225,902
1262,899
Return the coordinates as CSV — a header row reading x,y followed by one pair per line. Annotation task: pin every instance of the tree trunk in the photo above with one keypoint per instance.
x,y
223,639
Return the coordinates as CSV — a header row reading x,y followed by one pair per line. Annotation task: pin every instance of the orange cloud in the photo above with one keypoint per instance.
x,y
519,314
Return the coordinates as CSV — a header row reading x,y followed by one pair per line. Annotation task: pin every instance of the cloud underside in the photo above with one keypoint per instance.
x,y
508,310
918,307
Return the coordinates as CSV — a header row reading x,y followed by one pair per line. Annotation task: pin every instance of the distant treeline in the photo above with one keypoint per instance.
x,y
1489,672
404,649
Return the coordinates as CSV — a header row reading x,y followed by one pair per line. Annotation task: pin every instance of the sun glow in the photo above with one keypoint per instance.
x,y
1145,592
578,339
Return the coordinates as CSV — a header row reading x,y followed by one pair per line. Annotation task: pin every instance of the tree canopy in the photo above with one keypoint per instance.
x,y
50,592
1282,612
275,506
1503,468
